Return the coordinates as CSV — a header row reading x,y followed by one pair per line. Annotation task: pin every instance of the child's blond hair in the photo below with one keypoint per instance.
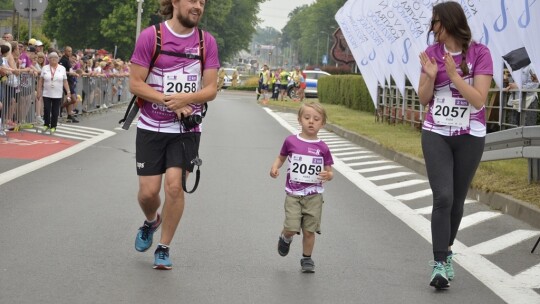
x,y
314,105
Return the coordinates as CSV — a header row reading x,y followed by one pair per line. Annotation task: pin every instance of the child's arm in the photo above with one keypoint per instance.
x,y
274,171
327,174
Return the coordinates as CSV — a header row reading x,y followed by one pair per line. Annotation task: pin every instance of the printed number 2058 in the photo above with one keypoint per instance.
x,y
178,87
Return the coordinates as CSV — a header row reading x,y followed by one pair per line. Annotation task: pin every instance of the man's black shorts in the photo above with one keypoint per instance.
x,y
155,151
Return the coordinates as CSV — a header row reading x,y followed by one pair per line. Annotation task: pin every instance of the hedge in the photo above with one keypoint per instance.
x,y
346,90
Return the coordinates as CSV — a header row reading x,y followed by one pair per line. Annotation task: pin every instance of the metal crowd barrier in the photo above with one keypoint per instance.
x,y
21,110
521,142
394,107
508,137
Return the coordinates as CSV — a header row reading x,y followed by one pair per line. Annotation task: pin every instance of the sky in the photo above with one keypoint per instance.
x,y
274,13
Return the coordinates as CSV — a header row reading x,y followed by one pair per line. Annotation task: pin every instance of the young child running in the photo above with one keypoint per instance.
x,y
310,164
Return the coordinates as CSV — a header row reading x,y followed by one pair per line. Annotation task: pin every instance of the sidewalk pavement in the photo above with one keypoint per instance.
x,y
497,201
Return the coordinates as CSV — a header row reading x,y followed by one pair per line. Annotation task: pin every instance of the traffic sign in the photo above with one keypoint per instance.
x,y
23,7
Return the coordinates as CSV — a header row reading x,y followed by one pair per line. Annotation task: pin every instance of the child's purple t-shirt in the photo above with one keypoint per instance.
x,y
479,62
171,74
305,157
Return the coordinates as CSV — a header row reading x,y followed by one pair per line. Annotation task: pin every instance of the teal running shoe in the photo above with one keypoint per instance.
x,y
145,236
439,280
449,267
161,258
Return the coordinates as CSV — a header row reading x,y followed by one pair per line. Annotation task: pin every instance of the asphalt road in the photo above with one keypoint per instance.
x,y
68,229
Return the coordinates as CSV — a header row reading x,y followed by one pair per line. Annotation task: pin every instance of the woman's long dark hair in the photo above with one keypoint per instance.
x,y
452,18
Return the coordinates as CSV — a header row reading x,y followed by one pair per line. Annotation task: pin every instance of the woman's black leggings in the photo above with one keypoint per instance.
x,y
51,108
451,162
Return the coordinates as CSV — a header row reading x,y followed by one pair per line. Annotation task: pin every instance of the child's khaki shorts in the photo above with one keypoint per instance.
x,y
303,212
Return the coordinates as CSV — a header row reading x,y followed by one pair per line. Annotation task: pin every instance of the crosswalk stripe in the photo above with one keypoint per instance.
x,y
343,149
371,162
477,218
530,277
341,145
403,184
414,195
375,169
350,153
504,241
389,176
428,209
360,157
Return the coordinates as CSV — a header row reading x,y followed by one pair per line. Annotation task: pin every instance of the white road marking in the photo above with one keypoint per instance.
x,y
477,218
40,163
375,169
344,149
414,195
350,153
504,241
428,209
530,277
389,176
403,184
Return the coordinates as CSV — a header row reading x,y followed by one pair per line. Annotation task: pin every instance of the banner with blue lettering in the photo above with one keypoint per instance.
x,y
386,36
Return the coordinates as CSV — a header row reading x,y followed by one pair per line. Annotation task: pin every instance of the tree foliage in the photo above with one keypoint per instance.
x,y
310,27
105,24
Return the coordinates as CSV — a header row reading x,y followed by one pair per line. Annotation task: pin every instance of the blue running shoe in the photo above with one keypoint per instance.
x,y
161,258
439,280
145,236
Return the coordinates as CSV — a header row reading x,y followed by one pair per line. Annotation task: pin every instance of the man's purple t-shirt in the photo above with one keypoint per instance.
x,y
172,74
479,62
305,157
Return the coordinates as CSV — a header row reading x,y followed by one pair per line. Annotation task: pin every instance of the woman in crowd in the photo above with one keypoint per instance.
x,y
51,81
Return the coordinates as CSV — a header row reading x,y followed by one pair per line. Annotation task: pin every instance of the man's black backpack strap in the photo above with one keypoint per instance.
x,y
131,111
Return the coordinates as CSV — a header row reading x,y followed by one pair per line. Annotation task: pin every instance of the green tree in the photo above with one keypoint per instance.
x,y
232,22
105,24
309,27
6,4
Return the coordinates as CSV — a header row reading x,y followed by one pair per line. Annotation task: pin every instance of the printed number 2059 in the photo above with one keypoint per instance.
x,y
303,169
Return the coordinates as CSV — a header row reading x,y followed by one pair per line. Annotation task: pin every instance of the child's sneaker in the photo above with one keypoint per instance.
x,y
439,279
308,266
449,267
283,247
161,258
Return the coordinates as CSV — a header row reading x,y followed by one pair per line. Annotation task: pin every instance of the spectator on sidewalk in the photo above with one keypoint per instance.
x,y
65,61
52,82
530,103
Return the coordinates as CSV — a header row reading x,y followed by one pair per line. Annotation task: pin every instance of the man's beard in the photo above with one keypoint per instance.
x,y
186,22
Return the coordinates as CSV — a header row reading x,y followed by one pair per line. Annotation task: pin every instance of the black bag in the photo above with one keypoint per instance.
x,y
517,59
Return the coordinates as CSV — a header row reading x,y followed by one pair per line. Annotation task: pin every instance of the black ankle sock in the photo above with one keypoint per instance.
x,y
306,256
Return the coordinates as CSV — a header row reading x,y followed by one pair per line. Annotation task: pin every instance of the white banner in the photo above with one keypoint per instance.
x,y
390,34
356,44
526,16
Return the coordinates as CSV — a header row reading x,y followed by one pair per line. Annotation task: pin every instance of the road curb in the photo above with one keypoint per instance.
x,y
497,201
